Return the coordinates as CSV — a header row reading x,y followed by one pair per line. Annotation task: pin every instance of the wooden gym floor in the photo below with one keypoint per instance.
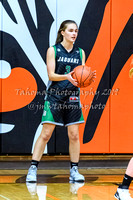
x,y
102,176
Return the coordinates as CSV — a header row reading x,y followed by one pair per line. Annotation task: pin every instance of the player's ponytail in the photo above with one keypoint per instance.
x,y
63,26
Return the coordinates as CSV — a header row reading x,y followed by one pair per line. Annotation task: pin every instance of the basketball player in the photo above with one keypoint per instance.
x,y
122,192
62,103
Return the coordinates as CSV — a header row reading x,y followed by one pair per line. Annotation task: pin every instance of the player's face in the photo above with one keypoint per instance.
x,y
70,33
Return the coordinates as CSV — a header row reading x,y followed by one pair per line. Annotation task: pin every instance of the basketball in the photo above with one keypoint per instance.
x,y
83,75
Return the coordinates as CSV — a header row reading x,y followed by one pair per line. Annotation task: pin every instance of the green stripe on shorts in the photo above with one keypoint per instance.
x,y
81,118
47,115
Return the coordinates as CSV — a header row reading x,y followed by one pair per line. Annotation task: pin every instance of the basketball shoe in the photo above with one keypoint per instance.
x,y
75,175
32,174
122,194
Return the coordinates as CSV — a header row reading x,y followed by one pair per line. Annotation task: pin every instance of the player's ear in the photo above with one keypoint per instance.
x,y
62,33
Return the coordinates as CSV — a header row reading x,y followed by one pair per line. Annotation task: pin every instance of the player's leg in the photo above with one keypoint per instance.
x,y
129,170
74,151
41,142
51,117
122,192
74,144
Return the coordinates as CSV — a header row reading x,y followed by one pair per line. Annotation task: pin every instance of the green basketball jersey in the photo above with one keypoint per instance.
x,y
65,63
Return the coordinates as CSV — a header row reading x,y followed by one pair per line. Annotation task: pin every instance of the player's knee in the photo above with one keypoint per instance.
x,y
46,134
73,136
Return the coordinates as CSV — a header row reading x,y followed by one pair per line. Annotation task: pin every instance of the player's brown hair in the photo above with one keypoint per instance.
x,y
63,26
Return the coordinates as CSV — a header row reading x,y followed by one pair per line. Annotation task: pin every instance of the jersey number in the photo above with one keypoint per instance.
x,y
68,69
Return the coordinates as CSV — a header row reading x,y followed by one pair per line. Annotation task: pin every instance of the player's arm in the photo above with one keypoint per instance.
x,y
50,60
93,75
83,57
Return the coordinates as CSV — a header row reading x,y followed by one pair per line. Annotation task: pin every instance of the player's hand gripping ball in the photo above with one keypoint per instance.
x,y
84,75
